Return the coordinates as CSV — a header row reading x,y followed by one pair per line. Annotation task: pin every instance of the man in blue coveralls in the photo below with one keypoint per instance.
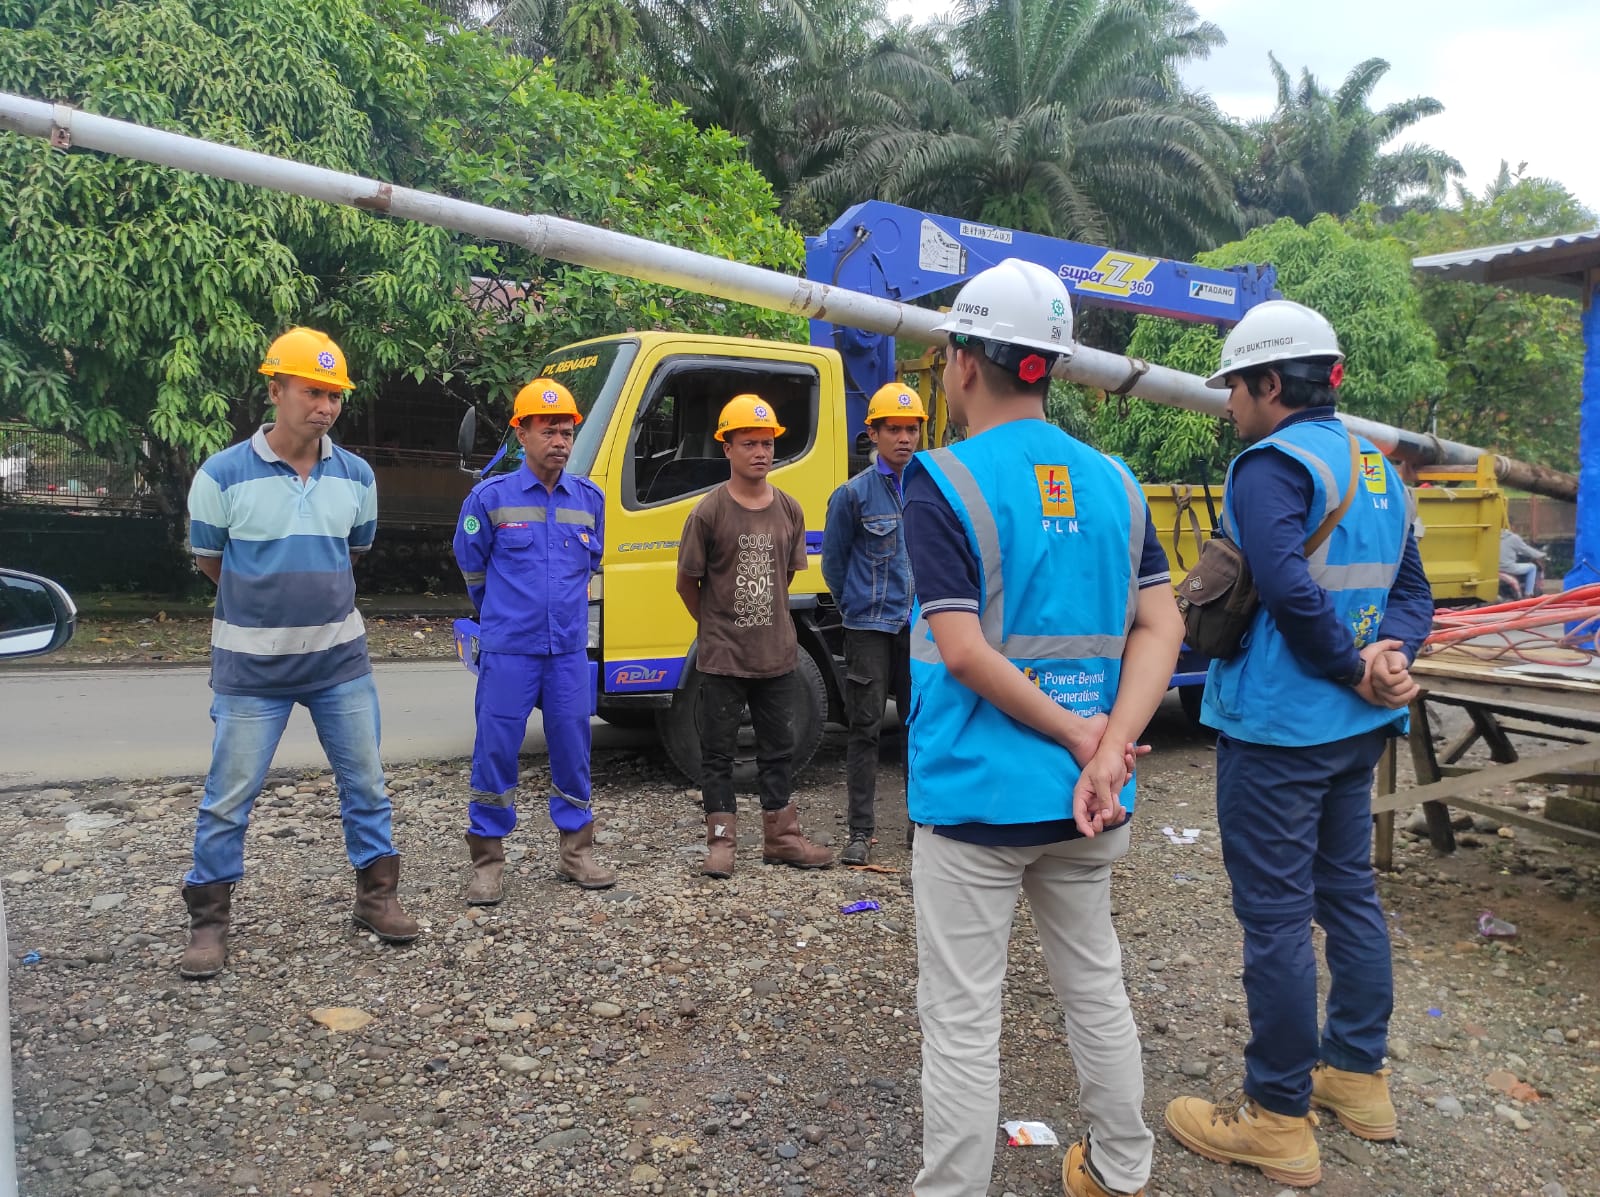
x,y
1303,711
527,544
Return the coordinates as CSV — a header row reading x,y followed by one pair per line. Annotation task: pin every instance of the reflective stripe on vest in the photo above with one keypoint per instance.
x,y
539,515
1370,575
992,618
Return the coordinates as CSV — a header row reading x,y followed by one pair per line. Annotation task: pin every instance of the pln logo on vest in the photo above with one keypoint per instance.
x,y
1055,497
1373,475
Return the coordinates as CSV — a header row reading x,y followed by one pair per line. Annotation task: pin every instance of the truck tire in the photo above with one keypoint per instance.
x,y
1189,698
679,725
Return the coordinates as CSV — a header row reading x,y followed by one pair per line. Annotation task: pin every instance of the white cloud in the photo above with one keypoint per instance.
x,y
1515,79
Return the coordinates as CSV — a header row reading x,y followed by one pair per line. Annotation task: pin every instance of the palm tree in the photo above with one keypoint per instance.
x,y
1321,152
1064,117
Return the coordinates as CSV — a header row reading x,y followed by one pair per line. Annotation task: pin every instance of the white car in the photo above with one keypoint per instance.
x,y
36,617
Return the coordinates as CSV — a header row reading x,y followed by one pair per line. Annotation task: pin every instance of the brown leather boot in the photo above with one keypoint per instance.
x,y
209,908
488,870
377,909
784,843
577,863
721,839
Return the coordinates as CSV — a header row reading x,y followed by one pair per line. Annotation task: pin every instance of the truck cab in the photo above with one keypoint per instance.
x,y
650,402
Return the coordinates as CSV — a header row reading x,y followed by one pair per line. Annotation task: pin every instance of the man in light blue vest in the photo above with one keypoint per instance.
x,y
1303,712
1043,641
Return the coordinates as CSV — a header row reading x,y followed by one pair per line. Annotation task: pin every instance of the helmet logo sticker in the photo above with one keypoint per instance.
x,y
759,412
550,398
904,400
1057,308
325,360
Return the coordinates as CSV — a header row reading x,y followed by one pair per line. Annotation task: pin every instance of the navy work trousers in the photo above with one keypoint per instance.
x,y
1296,829
510,685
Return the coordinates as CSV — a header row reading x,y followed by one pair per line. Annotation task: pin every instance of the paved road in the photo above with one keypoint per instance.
x,y
69,725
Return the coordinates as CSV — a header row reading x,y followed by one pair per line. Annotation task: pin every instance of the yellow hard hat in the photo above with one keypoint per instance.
x,y
545,397
895,402
308,354
747,411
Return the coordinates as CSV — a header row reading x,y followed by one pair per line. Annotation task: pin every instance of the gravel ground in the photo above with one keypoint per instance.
x,y
676,1035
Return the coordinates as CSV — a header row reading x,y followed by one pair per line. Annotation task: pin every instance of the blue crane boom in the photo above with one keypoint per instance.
x,y
899,253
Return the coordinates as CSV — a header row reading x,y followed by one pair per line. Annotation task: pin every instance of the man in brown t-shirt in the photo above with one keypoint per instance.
x,y
740,548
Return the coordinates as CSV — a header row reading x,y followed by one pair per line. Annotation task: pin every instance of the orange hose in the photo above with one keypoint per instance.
x,y
1579,607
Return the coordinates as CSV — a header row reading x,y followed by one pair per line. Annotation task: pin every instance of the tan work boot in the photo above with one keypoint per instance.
x,y
1241,1132
1360,1100
721,839
377,909
784,843
488,870
1078,1180
209,909
577,863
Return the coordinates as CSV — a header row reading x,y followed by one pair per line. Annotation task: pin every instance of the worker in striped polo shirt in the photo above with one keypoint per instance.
x,y
275,522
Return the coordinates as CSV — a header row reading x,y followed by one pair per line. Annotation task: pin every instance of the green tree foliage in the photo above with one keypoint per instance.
x,y
1324,151
1363,286
1514,360
1064,117
598,39
138,299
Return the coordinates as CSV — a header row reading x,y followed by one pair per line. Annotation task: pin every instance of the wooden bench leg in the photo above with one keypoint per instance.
x,y
1426,764
1387,765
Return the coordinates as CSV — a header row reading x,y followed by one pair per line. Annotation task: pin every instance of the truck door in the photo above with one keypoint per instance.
x,y
668,461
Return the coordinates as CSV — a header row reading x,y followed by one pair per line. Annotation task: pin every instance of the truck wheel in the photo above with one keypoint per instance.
x,y
679,725
1189,698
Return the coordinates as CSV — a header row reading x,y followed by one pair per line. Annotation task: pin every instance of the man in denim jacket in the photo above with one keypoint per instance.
x,y
865,565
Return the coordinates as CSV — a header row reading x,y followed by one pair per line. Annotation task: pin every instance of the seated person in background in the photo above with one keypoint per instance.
x,y
1521,561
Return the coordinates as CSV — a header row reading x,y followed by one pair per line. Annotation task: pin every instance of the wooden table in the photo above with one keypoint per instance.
x,y
1500,704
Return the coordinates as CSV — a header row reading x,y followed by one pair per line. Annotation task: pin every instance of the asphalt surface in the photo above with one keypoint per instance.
x,y
60,726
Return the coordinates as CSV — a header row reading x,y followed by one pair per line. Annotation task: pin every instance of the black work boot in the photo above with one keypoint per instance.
x,y
859,850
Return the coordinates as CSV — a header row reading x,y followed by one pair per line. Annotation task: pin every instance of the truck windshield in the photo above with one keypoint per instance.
x,y
594,373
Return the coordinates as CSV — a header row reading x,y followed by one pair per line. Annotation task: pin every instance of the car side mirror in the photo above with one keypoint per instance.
x,y
36,615
467,436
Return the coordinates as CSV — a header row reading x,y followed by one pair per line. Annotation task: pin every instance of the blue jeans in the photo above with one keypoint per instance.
x,y
1296,828
248,731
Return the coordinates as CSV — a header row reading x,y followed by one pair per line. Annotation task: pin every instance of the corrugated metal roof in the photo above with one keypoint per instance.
x,y
1555,265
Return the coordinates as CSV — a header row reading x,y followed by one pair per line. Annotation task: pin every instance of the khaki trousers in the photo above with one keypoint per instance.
x,y
965,897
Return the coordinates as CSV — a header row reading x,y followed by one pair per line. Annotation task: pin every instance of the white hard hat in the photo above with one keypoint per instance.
x,y
1279,330
1015,303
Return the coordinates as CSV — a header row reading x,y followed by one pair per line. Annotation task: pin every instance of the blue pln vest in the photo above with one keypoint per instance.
x,y
1058,601
1265,695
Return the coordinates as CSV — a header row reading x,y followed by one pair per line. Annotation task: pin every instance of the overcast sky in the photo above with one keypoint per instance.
x,y
1517,79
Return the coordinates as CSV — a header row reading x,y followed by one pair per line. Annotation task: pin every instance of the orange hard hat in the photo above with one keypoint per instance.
x,y
545,397
308,354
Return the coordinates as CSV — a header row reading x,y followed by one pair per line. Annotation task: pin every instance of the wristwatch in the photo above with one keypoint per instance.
x,y
1359,675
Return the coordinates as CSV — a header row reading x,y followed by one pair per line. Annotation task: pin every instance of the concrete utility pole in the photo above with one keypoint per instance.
x,y
635,257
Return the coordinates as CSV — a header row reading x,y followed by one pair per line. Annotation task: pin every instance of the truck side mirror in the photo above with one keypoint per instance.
x,y
467,436
36,615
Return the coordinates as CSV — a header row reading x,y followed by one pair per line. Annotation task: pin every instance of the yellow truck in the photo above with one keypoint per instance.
x,y
650,402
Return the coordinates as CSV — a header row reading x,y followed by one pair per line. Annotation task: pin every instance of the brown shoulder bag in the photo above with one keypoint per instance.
x,y
1218,597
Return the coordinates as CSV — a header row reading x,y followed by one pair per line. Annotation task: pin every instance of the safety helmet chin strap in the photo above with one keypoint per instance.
x,y
1317,371
1020,361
